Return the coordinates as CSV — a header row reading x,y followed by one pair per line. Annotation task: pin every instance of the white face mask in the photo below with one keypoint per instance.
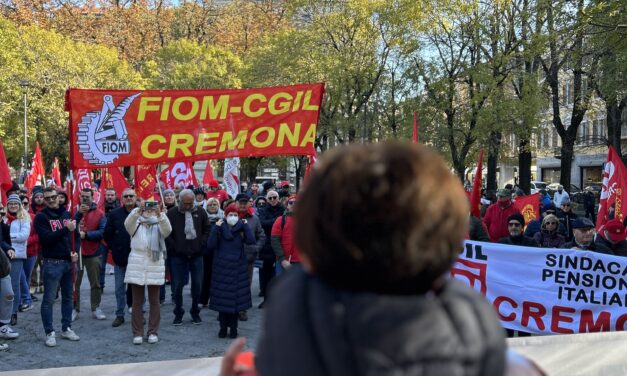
x,y
232,220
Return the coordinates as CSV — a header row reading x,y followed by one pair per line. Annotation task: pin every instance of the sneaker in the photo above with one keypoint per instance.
x,y
69,334
7,332
4,347
98,314
260,306
137,340
153,338
51,340
25,307
119,320
13,319
74,315
178,321
243,316
196,319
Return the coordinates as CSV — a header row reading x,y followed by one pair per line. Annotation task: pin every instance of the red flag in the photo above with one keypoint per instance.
x,y
475,197
83,180
5,175
56,173
29,182
614,186
145,181
37,169
179,173
414,136
529,206
111,178
208,174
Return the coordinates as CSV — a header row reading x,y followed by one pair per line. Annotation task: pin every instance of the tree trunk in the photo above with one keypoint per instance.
x,y
614,131
493,160
524,165
568,144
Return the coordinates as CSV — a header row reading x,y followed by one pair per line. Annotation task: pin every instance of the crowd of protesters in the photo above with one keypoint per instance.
x,y
197,236
558,226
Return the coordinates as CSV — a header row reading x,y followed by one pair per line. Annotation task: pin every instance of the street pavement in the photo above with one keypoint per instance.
x,y
100,343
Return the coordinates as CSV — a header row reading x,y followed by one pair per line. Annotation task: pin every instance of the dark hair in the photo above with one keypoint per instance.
x,y
87,190
394,223
50,189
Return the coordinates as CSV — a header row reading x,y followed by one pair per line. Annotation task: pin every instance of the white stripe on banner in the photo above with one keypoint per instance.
x,y
548,291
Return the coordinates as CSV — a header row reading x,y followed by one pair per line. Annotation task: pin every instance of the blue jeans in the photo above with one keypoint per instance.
x,y
16,269
57,273
104,253
120,289
180,268
27,270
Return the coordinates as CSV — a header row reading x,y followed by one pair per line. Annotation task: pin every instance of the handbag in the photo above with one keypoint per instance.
x,y
5,264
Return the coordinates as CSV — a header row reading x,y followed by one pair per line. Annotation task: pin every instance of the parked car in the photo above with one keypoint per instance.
x,y
536,186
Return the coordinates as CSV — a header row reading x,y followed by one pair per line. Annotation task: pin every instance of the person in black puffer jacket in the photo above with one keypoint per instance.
x,y
373,296
267,216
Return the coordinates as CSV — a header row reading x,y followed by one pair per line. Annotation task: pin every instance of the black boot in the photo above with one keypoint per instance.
x,y
233,326
223,325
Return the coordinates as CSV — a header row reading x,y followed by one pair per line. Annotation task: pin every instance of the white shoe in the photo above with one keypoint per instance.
x,y
74,315
7,332
4,347
51,340
98,314
130,310
153,338
137,340
69,334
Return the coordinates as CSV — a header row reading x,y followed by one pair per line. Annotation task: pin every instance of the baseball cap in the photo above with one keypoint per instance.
x,y
504,193
242,197
615,230
583,223
285,183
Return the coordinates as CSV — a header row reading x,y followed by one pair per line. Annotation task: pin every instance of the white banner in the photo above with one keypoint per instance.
x,y
231,176
548,291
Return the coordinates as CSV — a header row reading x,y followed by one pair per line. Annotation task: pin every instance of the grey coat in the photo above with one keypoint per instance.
x,y
252,250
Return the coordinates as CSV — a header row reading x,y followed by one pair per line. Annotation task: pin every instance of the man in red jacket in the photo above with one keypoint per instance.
x,y
282,239
496,216
216,192
91,223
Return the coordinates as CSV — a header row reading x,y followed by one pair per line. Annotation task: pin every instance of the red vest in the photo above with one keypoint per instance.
x,y
90,222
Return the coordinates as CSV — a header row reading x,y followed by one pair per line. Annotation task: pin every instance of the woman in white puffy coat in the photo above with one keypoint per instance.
x,y
148,227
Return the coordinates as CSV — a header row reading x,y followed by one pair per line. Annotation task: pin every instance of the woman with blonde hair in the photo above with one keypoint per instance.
x,y
548,236
19,223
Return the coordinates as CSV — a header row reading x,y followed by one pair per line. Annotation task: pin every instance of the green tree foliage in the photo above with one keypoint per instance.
x,y
51,63
185,64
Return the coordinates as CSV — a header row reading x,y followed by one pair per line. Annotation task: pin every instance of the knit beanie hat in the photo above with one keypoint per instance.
x,y
14,198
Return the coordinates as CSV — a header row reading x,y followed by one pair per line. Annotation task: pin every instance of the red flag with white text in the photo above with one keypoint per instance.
x,y
179,173
145,181
613,191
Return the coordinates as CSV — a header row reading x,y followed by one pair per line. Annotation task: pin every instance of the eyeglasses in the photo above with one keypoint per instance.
x,y
291,202
128,196
272,198
550,212
50,198
566,205
514,224
551,223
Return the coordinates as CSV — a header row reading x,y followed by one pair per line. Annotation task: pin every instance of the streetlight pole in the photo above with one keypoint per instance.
x,y
25,84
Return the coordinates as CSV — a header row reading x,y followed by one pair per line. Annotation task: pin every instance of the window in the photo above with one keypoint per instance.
x,y
554,138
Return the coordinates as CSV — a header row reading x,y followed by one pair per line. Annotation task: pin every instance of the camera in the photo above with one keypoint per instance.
x,y
151,205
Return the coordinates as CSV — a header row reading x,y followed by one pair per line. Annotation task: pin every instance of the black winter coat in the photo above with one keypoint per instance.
x,y
117,238
230,290
267,216
312,329
603,246
523,241
54,237
176,243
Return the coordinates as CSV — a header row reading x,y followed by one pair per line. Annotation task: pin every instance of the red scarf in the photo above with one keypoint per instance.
x,y
10,218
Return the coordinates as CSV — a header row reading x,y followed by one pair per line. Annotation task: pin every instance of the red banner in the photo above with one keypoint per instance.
x,y
179,173
529,207
131,127
475,196
613,191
